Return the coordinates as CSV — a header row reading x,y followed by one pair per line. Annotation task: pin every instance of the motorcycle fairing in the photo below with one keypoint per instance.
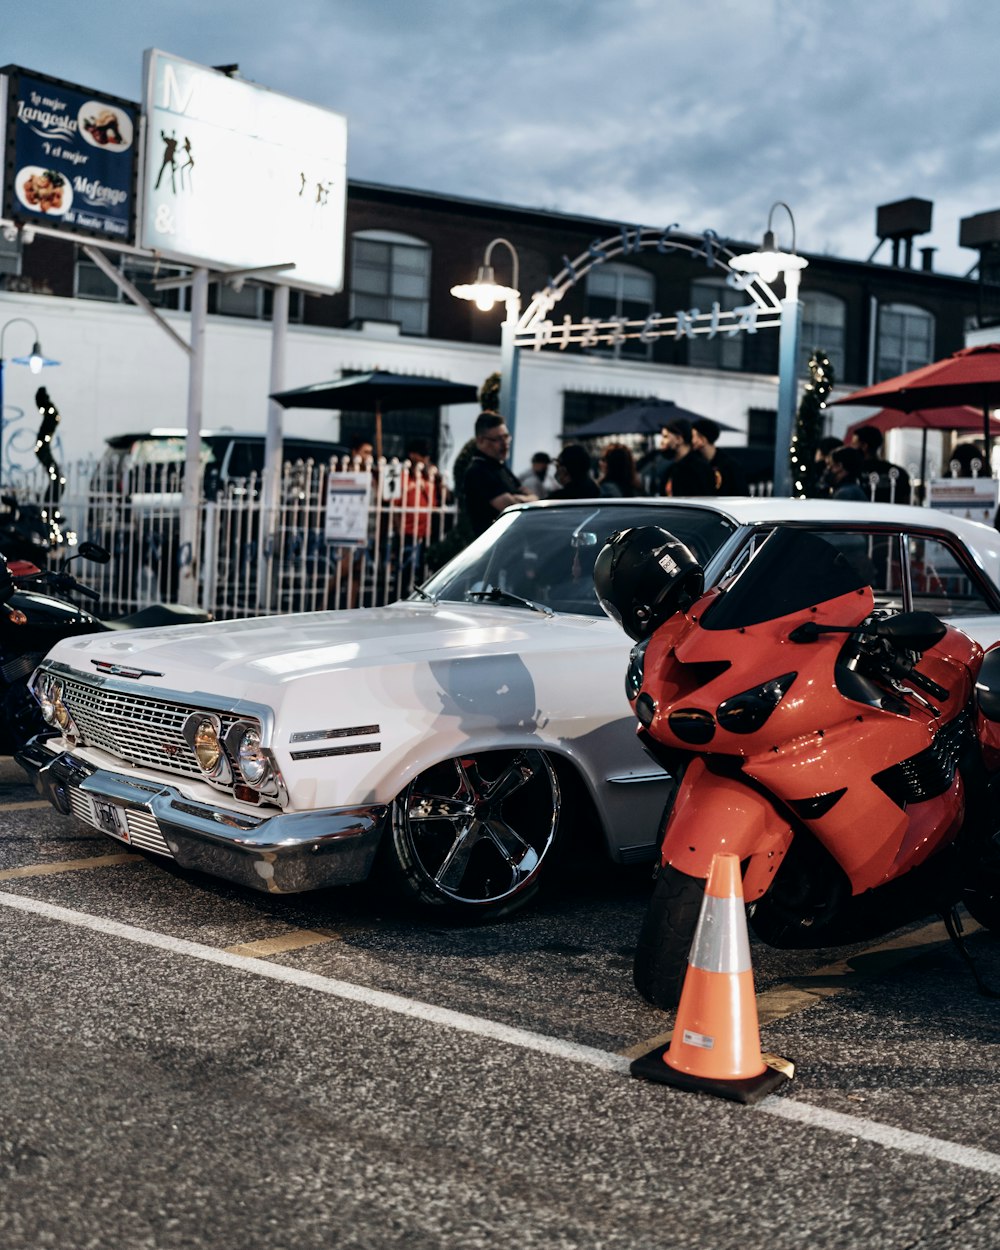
x,y
817,743
712,813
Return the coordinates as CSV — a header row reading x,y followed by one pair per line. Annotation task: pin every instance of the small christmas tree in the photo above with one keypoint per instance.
x,y
489,393
809,421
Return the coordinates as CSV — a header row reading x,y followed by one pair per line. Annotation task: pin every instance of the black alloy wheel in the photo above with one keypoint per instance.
x,y
472,834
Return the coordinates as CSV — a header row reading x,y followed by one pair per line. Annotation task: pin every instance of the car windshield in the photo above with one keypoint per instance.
x,y
546,554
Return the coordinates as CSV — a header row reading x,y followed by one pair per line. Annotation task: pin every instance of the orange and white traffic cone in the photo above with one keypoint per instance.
x,y
715,1045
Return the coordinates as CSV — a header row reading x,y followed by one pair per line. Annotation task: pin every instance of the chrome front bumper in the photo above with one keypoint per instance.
x,y
284,853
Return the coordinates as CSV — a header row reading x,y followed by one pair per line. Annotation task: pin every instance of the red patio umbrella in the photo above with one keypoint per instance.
x,y
960,417
967,377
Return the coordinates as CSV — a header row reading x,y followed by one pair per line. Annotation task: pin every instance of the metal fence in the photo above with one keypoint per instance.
x,y
299,561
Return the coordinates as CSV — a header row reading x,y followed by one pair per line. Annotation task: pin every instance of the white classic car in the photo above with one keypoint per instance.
x,y
457,735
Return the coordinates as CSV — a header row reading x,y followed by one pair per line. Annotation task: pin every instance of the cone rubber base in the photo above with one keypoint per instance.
x,y
651,1067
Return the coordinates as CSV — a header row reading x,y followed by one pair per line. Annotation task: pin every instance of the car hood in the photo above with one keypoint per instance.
x,y
269,651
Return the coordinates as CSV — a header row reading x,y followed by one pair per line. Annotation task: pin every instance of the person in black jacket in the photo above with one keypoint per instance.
x,y
489,485
573,474
729,477
893,484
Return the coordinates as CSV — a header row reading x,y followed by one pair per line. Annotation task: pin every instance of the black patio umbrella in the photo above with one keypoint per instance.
x,y
379,392
645,416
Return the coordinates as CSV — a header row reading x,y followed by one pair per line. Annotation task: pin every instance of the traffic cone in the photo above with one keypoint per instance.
x,y
715,1045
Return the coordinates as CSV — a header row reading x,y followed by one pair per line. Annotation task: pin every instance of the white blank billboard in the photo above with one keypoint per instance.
x,y
237,175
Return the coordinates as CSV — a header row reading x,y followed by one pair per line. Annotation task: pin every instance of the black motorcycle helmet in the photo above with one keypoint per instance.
x,y
643,576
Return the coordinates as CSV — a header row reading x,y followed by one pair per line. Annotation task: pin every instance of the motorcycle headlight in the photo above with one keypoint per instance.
x,y
748,711
202,733
633,674
249,754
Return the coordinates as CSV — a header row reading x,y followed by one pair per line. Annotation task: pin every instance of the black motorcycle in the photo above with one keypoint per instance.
x,y
36,611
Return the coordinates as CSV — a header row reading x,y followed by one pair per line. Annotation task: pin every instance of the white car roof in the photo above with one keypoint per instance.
x,y
982,540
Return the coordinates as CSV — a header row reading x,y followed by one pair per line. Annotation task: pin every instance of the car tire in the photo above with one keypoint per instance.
x,y
471,836
661,953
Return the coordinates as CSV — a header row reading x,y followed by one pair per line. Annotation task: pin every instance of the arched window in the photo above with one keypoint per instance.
x,y
390,279
620,291
824,323
905,339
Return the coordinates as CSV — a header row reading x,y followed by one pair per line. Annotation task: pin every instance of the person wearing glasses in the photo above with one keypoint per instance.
x,y
489,485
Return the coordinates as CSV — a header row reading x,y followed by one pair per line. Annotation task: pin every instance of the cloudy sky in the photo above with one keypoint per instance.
x,y
703,112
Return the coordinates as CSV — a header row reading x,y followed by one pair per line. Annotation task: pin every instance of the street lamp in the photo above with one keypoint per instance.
x,y
35,362
485,292
768,264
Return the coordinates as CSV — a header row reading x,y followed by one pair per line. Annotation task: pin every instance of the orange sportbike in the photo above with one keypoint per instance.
x,y
849,756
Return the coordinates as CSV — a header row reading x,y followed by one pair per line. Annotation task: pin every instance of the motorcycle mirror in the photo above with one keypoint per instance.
x,y
92,551
914,631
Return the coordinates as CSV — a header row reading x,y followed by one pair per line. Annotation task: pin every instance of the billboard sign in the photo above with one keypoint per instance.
x,y
238,176
69,158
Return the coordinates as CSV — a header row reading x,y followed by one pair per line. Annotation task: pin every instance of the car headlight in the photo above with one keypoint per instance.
x,y
249,755
202,733
49,693
41,688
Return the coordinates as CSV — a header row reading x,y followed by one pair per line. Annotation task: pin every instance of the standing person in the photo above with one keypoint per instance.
x,y
619,476
868,440
689,473
416,506
845,467
819,486
573,474
538,480
489,486
654,466
729,477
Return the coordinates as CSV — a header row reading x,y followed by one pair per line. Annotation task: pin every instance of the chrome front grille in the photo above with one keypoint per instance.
x,y
134,727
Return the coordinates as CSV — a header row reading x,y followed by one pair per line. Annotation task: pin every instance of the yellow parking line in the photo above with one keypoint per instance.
x,y
28,805
66,865
296,940
833,979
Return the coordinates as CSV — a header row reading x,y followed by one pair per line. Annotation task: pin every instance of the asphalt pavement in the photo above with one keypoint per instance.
x,y
186,1064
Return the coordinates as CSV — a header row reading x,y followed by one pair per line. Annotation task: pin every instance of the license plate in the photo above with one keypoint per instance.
x,y
110,819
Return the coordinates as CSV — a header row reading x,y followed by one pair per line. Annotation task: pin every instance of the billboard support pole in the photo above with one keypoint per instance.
x,y
271,477
188,552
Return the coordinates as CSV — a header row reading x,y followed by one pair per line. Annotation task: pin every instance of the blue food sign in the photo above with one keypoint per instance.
x,y
70,157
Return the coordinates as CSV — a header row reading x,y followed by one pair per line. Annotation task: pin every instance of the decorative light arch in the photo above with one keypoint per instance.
x,y
536,328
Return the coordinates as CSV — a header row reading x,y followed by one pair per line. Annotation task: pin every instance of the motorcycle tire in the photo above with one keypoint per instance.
x,y
661,953
982,901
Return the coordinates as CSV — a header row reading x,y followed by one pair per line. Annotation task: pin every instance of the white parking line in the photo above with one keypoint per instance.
x,y
326,985
785,1108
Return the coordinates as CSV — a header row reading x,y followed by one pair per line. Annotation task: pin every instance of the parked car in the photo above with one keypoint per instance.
x,y
460,734
135,494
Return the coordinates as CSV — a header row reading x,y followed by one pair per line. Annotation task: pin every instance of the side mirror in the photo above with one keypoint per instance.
x,y
914,631
92,551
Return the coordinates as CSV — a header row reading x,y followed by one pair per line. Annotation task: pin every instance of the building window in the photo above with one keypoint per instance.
x,y
905,339
93,283
724,351
390,279
620,292
824,322
10,254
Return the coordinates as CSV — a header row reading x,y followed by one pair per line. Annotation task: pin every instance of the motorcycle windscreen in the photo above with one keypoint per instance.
x,y
793,569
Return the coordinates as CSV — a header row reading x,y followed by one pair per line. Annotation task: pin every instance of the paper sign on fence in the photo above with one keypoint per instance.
x,y
348,496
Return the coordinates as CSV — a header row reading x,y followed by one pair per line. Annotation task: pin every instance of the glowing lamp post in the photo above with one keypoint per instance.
x,y
768,264
485,292
35,362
